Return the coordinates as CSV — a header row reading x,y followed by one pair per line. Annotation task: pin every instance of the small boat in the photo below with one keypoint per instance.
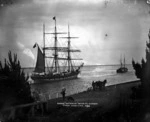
x,y
55,71
123,68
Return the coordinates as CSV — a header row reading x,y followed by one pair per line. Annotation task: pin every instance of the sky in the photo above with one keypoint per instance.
x,y
107,29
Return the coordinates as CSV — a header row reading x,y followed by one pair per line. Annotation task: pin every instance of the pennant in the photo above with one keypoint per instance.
x,y
34,45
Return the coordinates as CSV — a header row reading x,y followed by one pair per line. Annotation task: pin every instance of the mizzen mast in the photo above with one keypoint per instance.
x,y
69,50
70,67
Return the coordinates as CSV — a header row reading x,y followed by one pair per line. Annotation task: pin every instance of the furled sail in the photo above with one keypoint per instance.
x,y
40,63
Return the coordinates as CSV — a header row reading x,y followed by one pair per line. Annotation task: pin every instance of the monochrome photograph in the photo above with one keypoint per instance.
x,y
74,60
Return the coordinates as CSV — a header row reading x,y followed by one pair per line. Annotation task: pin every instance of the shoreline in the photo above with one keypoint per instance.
x,y
109,86
84,65
85,94
128,82
101,100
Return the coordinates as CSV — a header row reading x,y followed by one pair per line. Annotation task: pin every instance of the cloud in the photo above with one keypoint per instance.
x,y
20,45
126,24
25,50
29,53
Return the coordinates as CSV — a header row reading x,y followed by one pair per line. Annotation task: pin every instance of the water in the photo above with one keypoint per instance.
x,y
84,81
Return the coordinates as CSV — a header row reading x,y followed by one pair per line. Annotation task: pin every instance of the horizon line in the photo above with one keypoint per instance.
x,y
86,65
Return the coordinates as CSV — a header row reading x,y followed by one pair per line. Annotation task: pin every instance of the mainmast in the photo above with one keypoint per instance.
x,y
55,64
55,48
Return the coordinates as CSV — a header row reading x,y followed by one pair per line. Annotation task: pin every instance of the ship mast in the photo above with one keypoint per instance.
x,y
69,57
124,61
70,67
69,50
44,44
55,49
121,61
55,63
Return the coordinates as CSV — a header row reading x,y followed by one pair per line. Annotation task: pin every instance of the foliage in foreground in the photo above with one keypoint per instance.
x,y
14,87
142,71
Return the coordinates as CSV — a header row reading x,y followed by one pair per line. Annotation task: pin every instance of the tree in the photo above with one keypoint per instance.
x,y
142,71
13,83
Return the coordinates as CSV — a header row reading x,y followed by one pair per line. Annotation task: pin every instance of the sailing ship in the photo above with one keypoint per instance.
x,y
123,68
55,72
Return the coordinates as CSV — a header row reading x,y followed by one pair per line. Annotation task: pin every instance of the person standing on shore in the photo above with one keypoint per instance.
x,y
63,92
93,85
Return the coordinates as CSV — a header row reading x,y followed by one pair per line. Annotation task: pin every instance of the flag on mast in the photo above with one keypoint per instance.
x,y
54,18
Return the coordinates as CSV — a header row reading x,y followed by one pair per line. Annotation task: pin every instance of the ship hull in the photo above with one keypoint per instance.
x,y
49,79
122,70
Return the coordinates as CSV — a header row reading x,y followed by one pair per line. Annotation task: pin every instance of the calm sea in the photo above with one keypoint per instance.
x,y
84,81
